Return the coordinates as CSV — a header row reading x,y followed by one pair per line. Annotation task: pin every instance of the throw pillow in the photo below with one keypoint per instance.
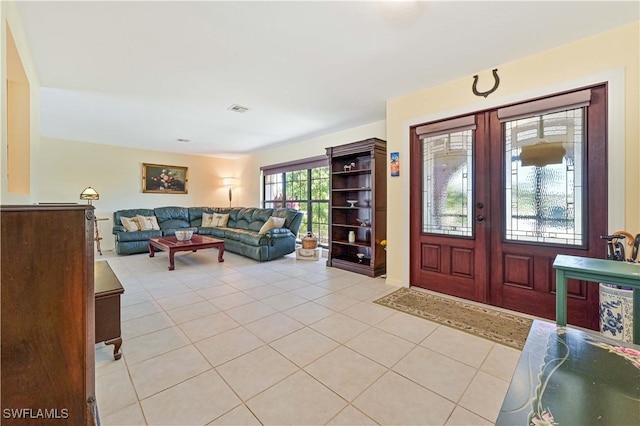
x,y
130,224
272,222
147,223
215,220
207,220
220,220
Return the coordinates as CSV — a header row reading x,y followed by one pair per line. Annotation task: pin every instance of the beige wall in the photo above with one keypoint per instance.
x,y
23,191
18,121
67,167
612,56
250,165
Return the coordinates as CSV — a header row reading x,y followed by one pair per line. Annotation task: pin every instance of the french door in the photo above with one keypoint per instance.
x,y
496,195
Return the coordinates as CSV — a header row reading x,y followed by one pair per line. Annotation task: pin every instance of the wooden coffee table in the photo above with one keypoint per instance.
x,y
172,245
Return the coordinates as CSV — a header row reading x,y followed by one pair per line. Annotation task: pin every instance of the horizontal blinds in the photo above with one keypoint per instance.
x,y
306,163
449,126
546,106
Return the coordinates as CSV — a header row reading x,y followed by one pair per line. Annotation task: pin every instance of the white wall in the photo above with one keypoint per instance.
x,y
67,167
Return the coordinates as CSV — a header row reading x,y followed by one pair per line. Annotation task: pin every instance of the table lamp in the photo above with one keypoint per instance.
x,y
89,194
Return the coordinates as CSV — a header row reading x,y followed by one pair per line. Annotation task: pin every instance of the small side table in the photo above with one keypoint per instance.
x,y
97,227
597,271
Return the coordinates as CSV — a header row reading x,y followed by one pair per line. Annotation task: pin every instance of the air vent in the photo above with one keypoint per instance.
x,y
183,140
238,108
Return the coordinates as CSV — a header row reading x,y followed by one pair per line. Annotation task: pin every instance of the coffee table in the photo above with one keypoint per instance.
x,y
172,246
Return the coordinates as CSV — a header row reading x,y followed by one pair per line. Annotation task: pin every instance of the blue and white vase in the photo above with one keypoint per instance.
x,y
616,312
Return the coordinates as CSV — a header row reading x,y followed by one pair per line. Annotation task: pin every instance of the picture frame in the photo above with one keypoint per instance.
x,y
164,179
394,164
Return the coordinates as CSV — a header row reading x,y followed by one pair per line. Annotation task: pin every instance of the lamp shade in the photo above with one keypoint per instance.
x,y
89,194
229,182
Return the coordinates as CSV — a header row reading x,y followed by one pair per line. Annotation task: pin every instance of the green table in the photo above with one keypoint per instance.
x,y
598,271
567,376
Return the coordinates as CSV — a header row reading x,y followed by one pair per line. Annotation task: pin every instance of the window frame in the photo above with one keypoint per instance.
x,y
308,165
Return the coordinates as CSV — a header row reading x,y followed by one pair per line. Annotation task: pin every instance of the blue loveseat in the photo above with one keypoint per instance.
x,y
240,235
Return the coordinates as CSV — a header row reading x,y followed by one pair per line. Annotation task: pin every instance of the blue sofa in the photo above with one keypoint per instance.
x,y
240,235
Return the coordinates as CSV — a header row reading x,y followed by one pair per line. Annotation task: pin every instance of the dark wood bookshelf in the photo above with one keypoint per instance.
x,y
358,173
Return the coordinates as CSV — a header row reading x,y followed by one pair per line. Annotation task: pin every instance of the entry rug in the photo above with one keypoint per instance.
x,y
509,330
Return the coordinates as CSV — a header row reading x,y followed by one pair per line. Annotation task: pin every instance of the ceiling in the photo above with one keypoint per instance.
x,y
145,74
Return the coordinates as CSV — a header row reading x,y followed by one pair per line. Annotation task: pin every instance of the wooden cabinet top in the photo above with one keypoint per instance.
x,y
44,207
106,282
359,147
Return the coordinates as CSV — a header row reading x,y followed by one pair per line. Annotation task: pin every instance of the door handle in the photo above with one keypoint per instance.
x,y
480,218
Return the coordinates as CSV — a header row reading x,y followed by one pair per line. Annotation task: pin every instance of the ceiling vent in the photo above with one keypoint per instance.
x,y
238,108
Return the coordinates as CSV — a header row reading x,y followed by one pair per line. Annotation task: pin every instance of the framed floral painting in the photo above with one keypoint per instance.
x,y
160,179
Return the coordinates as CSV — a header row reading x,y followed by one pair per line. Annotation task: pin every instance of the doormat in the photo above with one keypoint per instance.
x,y
509,330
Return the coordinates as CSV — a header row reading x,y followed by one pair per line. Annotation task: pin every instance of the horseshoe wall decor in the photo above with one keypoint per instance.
x,y
490,91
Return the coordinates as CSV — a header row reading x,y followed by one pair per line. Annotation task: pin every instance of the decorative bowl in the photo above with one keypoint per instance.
x,y
363,222
352,203
184,235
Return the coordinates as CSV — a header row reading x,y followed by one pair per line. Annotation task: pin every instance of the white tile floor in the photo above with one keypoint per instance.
x,y
285,342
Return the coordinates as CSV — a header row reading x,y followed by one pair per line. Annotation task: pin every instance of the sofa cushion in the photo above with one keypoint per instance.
x,y
272,222
170,232
174,224
244,218
172,218
138,235
233,215
171,213
289,216
253,219
246,237
213,232
133,212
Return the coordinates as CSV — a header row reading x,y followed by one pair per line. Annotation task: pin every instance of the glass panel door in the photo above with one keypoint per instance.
x,y
543,181
448,184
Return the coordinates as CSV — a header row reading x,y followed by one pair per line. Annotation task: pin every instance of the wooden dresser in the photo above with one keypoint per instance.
x,y
48,365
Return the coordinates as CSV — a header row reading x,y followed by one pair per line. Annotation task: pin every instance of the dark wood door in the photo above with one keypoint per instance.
x,y
449,198
542,184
